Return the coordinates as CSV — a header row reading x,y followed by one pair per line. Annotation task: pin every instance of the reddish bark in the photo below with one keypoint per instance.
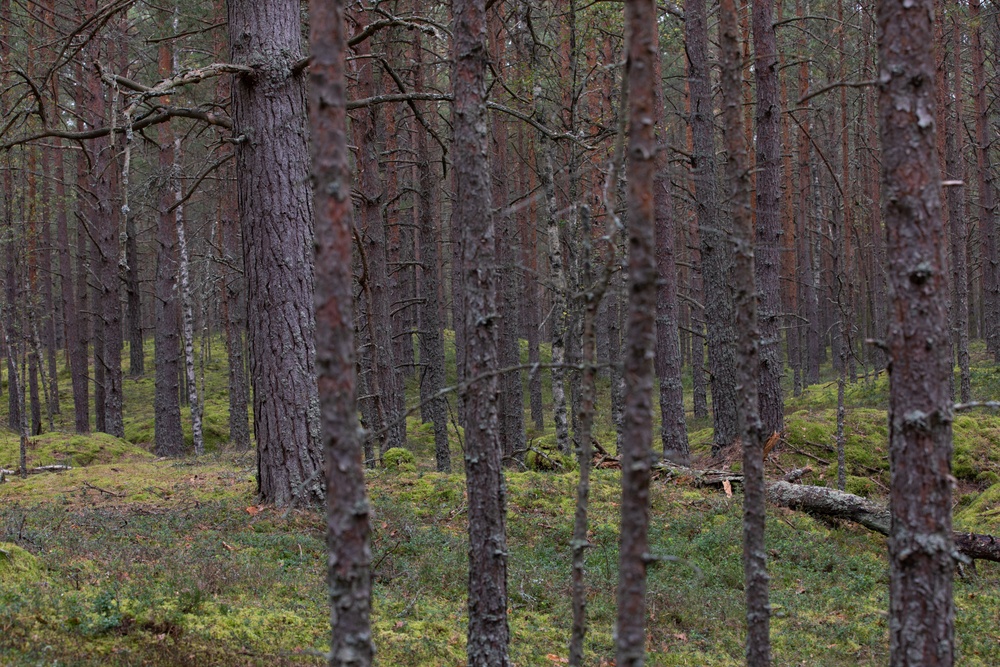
x,y
640,339
348,514
921,612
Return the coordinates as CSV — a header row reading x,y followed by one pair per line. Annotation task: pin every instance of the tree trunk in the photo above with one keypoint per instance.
x,y
767,255
488,632
714,231
77,350
921,612
235,323
137,357
168,433
559,314
431,328
673,433
367,133
955,168
987,188
758,643
272,169
593,294
347,510
630,629
187,314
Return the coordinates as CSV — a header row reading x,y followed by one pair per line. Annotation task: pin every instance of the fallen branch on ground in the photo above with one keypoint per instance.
x,y
35,471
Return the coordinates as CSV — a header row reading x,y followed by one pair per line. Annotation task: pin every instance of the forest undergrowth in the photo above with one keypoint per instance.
x,y
132,560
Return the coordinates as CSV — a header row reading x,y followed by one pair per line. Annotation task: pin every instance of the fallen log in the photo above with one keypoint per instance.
x,y
36,471
824,501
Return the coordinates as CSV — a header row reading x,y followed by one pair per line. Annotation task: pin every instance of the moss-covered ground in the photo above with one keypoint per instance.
x,y
128,559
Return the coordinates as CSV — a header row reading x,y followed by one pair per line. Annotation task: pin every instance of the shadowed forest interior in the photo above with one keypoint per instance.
x,y
499,333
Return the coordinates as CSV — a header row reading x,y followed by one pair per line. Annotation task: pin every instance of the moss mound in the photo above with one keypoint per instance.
x,y
399,459
68,449
19,566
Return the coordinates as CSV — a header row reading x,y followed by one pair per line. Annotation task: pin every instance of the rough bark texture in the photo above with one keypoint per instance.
x,y
187,312
488,633
673,433
592,295
987,214
767,252
828,502
272,157
921,618
431,335
348,512
714,233
758,612
640,338
169,438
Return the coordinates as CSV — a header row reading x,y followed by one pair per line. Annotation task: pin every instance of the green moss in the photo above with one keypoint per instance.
x,y
861,486
67,449
399,459
19,566
981,515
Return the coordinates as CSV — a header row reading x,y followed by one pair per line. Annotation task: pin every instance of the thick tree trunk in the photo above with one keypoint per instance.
x,y
767,252
640,339
714,232
272,168
488,632
348,513
921,612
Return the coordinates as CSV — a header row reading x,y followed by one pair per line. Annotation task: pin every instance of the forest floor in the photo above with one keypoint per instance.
x,y
128,559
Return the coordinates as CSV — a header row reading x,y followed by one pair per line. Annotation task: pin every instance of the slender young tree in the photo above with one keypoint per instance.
x,y
758,647
488,633
348,513
921,612
640,337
